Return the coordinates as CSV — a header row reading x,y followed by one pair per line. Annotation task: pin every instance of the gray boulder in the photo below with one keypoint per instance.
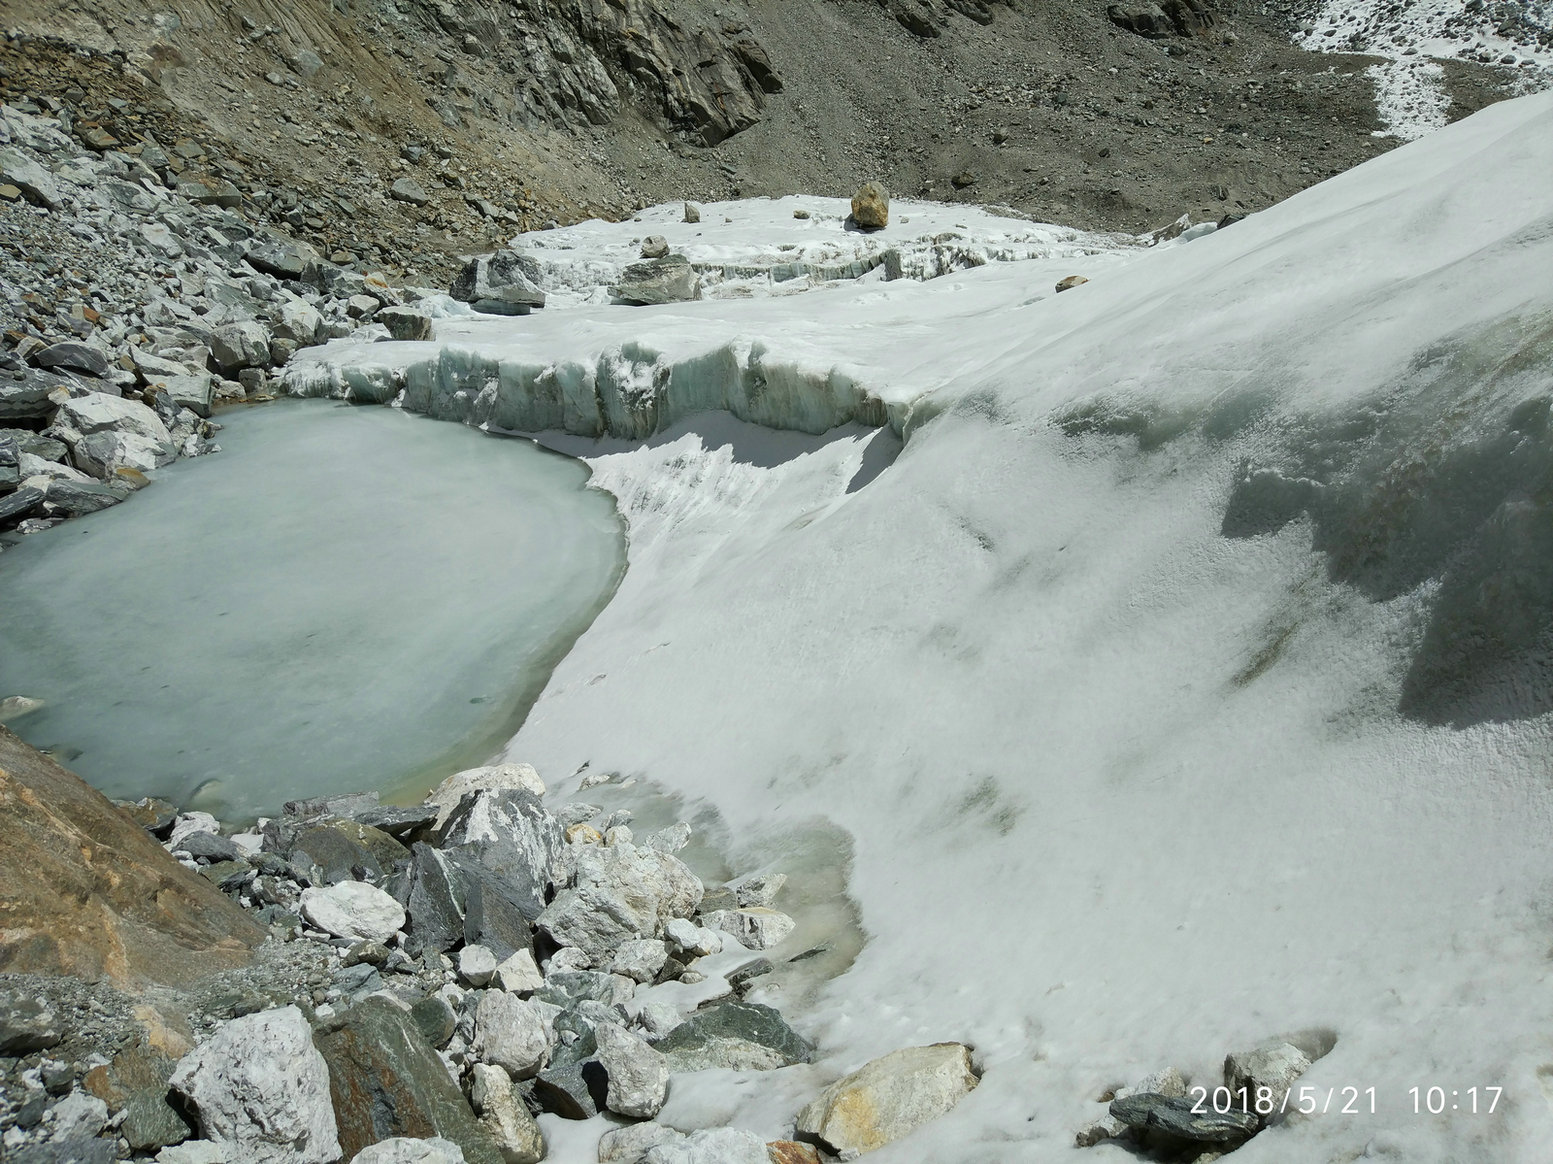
x,y
757,928
284,258
36,184
235,346
73,357
638,1075
388,1081
503,283
355,910
504,1116
402,1150
1149,1111
511,1033
655,246
711,1146
404,323
670,279
628,1144
260,1089
510,833
737,1036
24,393
409,190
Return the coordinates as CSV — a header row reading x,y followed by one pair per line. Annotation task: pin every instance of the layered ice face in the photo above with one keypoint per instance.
x,y
342,599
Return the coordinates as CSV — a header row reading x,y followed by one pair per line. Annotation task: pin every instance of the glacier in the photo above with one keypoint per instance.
x,y
1174,653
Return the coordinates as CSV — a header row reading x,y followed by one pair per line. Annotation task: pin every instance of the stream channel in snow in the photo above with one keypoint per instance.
x,y
342,599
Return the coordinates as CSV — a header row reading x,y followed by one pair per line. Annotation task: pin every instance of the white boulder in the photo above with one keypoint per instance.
x,y
402,1150
260,1089
495,778
638,1075
353,909
889,1098
711,1146
756,927
511,1033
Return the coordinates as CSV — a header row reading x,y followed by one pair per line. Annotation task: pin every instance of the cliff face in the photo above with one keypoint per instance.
x,y
85,891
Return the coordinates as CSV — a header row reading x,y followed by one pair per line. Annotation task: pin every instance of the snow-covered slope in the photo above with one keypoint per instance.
x,y
1183,682
1415,35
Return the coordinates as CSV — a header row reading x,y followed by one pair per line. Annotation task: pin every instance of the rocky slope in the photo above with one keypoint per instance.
x,y
506,116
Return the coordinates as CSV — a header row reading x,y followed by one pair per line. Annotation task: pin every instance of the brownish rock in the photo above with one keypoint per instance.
x,y
791,1152
1071,282
84,891
871,206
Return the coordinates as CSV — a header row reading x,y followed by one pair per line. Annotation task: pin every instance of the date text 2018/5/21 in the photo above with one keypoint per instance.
x,y
1309,1100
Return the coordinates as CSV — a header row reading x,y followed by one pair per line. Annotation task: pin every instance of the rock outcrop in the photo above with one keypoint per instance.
x,y
85,891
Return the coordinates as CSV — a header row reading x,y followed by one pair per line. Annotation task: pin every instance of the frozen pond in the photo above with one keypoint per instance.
x,y
342,599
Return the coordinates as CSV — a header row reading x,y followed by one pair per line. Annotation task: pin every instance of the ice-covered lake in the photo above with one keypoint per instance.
x,y
342,599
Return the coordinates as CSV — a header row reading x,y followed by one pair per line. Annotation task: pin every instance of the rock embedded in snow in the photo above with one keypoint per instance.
x,y
1275,1067
638,1075
670,279
871,206
353,909
405,323
503,283
1070,282
889,1097
504,1116
510,1033
627,1145
791,1152
1151,1112
688,938
692,212
669,840
736,1036
622,892
710,1146
655,246
403,1150
757,928
261,1089
758,889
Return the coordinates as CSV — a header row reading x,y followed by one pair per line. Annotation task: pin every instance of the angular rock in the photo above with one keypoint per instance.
x,y
758,890
27,1024
791,1152
627,1145
494,778
209,846
476,965
710,1146
433,896
737,1036
396,820
1148,1111
669,840
409,190
1275,1067
510,1033
519,974
404,1150
260,1089
871,206
436,1019
405,323
36,184
235,346
638,1075
889,1098
511,834
284,258
503,283
345,850
655,246
692,212
504,1116
353,909
758,929
574,1085
79,1116
670,279
73,357
195,1152
14,506
640,959
1070,282
688,938
387,1081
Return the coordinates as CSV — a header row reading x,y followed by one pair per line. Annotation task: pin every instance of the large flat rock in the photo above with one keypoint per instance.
x,y
85,891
